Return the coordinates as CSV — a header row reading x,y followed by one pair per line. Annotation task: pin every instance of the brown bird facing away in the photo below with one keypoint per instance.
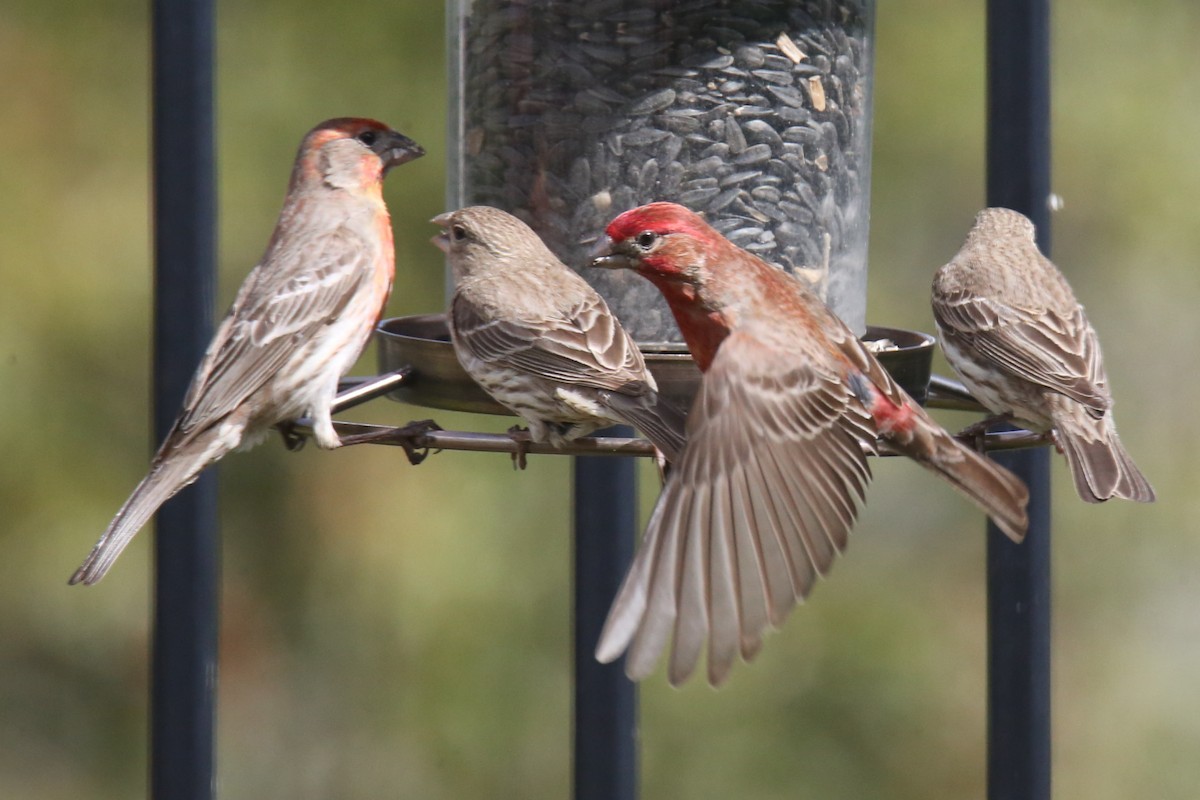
x,y
539,339
1012,329
767,489
299,321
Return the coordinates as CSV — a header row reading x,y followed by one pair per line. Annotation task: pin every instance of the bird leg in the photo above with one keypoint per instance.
x,y
975,432
409,434
522,439
293,440
410,437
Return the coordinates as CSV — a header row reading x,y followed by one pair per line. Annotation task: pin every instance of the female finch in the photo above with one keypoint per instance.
x,y
1013,330
299,322
766,491
539,339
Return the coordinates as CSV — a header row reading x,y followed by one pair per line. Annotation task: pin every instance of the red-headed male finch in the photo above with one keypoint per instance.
x,y
767,489
299,322
1013,330
539,339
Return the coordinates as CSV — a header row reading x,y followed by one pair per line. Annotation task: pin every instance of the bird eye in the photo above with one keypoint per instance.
x,y
368,137
647,239
458,233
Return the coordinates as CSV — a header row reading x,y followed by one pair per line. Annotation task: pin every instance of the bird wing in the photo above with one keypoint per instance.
x,y
1061,353
276,312
758,506
585,346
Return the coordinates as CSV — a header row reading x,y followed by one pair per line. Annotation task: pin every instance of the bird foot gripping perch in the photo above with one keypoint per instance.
x,y
975,434
293,438
411,437
523,439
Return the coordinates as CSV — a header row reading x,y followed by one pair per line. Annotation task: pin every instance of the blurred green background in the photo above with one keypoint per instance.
x,y
393,631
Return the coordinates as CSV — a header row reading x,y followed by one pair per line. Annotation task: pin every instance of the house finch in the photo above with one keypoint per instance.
x,y
299,322
766,491
1012,328
539,339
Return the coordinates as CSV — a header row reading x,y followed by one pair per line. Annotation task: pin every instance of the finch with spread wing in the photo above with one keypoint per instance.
x,y
767,489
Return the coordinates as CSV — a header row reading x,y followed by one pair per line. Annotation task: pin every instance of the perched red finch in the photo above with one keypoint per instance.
x,y
766,491
299,322
539,339
1013,330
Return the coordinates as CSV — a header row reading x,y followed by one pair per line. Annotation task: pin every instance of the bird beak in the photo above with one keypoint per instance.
x,y
442,240
399,149
607,255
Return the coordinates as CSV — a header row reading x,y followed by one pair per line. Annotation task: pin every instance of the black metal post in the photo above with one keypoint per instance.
x,y
605,701
185,585
1018,177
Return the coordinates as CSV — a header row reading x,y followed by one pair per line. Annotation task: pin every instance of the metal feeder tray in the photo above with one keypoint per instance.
x,y
422,342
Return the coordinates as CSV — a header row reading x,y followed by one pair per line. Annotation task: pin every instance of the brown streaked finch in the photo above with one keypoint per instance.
x,y
1012,329
299,321
540,340
767,489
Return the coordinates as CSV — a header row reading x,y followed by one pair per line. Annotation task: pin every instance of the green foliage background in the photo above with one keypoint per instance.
x,y
400,632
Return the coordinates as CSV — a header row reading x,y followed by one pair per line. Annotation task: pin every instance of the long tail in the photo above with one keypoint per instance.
x,y
169,474
659,420
1002,495
1101,467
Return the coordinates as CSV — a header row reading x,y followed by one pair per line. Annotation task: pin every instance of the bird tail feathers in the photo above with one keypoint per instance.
x,y
998,492
1100,465
659,420
167,477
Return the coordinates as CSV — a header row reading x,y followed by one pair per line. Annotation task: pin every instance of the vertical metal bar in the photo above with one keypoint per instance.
x,y
605,701
457,14
1018,177
185,585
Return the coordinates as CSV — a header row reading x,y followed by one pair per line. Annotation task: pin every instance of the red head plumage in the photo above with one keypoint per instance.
x,y
659,218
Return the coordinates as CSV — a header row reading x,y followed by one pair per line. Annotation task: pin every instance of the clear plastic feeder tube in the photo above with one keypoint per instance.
x,y
756,113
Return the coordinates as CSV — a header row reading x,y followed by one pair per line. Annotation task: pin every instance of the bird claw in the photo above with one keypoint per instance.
x,y
413,431
406,436
975,434
522,439
293,440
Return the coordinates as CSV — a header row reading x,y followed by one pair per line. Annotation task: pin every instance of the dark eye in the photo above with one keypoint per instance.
x,y
458,233
368,137
647,239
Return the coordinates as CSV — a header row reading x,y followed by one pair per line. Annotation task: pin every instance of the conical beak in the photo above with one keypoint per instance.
x,y
399,149
608,255
442,240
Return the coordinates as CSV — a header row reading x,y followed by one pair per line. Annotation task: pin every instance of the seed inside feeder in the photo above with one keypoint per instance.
x,y
755,114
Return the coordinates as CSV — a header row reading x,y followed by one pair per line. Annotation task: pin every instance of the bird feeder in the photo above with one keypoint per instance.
x,y
757,115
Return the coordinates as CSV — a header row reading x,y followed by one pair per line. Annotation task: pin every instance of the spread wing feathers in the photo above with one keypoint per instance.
x,y
852,347
1046,348
760,503
275,313
585,346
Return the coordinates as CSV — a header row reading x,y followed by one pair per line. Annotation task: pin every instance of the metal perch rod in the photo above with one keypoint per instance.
x,y
943,393
353,433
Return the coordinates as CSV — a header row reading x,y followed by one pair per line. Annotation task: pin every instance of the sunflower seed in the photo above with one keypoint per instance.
x,y
655,101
